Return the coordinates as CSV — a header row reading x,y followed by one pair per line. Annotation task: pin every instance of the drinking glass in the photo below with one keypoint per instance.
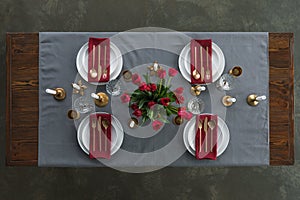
x,y
195,105
226,82
114,87
84,104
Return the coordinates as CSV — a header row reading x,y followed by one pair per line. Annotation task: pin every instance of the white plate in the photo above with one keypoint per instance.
x,y
116,62
83,134
218,62
189,136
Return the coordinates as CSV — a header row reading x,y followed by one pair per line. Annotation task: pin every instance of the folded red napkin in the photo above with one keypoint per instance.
x,y
201,51
206,142
100,136
99,60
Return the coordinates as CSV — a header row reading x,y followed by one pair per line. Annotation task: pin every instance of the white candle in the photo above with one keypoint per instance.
x,y
75,86
50,91
132,124
201,88
261,98
95,96
231,99
155,66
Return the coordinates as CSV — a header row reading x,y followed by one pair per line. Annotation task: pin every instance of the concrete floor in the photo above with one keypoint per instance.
x,y
169,183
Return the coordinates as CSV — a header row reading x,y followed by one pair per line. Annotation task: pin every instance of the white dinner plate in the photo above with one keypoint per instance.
x,y
218,62
83,134
116,62
189,136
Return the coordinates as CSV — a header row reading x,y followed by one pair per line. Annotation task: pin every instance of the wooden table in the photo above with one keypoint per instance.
x,y
22,111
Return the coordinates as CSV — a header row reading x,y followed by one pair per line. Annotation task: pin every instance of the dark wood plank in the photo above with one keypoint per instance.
x,y
22,99
281,57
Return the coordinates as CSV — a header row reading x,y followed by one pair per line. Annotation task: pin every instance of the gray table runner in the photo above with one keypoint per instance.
x,y
248,126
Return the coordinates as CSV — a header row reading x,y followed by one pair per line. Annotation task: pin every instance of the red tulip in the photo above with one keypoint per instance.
x,y
178,91
134,106
151,103
156,124
184,114
136,79
172,72
143,86
161,73
125,98
153,87
179,99
137,113
165,101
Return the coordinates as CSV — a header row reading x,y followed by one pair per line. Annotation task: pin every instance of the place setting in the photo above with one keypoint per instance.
x,y
206,136
100,135
99,61
201,61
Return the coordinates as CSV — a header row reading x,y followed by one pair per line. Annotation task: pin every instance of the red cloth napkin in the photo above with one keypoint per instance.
x,y
206,60
99,48
208,141
100,142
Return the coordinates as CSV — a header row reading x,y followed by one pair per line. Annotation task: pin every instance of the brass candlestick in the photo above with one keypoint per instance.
x,y
58,93
253,99
133,123
228,100
102,99
197,89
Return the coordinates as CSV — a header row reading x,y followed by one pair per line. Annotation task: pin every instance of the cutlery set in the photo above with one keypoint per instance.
x,y
208,127
201,73
98,73
98,124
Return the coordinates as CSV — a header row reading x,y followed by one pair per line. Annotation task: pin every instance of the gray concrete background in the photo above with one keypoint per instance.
x,y
169,183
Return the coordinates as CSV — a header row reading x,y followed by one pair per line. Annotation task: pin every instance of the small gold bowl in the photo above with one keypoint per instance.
x,y
177,120
236,71
127,75
73,114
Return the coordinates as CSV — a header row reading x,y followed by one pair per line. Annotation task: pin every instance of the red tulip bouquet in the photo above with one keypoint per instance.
x,y
155,101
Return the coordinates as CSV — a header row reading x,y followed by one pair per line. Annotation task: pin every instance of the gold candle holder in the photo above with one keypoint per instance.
x,y
58,93
236,71
253,99
228,100
197,89
103,99
133,122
